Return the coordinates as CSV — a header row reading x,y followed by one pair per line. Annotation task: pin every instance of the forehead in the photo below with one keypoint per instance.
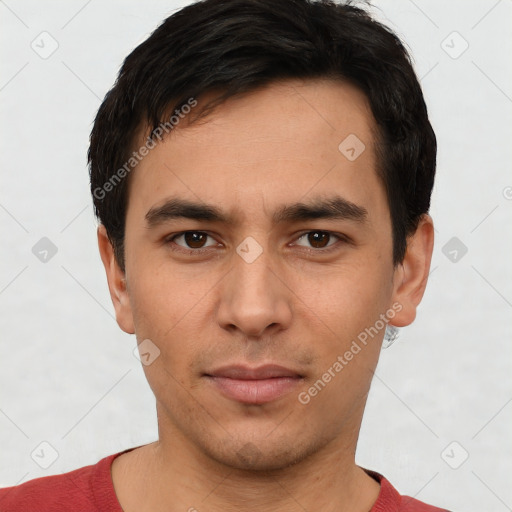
x,y
279,142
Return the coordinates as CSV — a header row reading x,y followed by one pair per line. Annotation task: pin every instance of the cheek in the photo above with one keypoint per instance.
x,y
168,308
346,296
162,294
350,331
343,317
164,313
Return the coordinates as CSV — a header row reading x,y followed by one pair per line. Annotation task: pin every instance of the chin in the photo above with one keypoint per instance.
x,y
259,455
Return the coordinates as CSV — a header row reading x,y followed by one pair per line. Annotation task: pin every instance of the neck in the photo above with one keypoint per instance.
x,y
326,482
174,471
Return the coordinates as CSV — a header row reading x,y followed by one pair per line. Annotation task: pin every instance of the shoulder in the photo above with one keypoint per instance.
x,y
390,500
409,504
86,489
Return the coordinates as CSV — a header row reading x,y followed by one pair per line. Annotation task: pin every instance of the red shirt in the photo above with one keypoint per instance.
x,y
90,489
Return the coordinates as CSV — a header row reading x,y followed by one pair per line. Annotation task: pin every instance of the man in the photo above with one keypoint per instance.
x,y
262,174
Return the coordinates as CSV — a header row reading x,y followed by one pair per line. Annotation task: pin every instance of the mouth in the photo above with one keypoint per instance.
x,y
254,386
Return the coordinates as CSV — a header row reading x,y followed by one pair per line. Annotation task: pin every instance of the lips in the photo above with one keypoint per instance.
x,y
268,371
254,386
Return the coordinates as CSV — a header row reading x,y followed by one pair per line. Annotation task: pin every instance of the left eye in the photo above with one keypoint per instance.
x,y
317,239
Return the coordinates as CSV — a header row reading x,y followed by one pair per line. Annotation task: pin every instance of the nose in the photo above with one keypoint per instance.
x,y
254,298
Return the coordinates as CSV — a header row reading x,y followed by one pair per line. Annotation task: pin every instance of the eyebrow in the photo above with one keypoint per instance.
x,y
332,208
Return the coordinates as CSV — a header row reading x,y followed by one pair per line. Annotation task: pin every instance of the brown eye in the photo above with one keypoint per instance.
x,y
194,239
318,239
321,242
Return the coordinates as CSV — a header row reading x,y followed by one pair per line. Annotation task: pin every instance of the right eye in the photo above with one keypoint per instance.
x,y
190,241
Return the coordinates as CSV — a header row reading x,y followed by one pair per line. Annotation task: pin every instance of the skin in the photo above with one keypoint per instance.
x,y
294,305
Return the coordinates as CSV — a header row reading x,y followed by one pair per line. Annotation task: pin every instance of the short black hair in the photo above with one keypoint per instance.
x,y
231,47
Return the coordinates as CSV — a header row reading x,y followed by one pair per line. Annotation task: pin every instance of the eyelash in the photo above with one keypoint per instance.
x,y
178,248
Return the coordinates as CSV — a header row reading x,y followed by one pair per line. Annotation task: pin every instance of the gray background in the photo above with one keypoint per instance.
x,y
68,376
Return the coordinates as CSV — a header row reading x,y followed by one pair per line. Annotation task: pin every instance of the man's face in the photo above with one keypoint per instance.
x,y
264,286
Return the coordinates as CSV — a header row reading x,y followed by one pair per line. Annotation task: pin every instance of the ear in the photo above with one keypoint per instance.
x,y
410,277
116,282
